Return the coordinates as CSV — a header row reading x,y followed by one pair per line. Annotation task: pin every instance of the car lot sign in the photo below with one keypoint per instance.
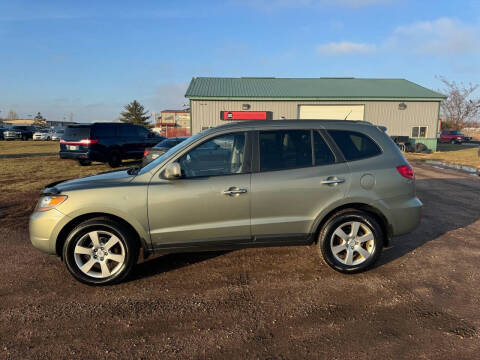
x,y
245,115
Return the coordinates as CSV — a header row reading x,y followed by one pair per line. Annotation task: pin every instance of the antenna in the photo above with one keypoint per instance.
x,y
348,115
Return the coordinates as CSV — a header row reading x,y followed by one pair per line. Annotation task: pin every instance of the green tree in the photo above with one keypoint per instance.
x,y
39,120
136,114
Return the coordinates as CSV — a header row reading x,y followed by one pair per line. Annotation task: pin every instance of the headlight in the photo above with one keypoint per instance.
x,y
49,202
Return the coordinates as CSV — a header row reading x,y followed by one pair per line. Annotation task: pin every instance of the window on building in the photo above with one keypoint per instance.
x,y
223,155
419,131
354,145
285,149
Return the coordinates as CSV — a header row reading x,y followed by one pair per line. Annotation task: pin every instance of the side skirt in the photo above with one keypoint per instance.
x,y
236,243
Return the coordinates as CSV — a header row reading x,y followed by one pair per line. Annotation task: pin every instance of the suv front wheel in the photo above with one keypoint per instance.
x,y
100,251
350,241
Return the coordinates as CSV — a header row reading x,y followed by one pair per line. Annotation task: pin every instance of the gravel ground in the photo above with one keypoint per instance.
x,y
421,301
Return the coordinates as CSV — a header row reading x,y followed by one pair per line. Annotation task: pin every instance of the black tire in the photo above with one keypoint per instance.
x,y
84,162
24,137
123,233
114,158
420,147
332,224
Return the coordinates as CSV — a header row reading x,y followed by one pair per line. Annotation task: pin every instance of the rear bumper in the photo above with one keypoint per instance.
x,y
81,155
404,214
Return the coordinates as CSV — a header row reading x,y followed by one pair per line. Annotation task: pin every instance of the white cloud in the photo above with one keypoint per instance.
x,y
443,36
345,47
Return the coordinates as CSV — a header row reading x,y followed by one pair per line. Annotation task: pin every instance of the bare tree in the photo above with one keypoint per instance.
x,y
12,115
459,109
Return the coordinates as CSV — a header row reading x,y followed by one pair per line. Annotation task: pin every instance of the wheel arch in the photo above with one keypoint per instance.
x,y
63,234
373,211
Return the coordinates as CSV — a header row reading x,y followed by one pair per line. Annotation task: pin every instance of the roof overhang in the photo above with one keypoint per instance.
x,y
206,98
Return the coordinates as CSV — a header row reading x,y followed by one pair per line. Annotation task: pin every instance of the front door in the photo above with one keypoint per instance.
x,y
210,203
297,177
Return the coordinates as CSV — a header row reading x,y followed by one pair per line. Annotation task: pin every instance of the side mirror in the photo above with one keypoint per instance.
x,y
173,171
150,135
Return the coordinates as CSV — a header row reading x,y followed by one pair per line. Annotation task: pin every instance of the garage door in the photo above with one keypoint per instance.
x,y
332,112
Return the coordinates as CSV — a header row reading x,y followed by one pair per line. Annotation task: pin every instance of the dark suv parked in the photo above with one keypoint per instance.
x,y
106,142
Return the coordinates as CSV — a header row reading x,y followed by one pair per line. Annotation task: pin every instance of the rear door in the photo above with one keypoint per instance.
x,y
296,175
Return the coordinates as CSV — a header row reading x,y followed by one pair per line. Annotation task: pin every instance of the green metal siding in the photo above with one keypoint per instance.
x,y
429,143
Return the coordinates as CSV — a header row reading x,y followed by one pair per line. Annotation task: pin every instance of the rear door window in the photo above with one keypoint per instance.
x,y
355,145
285,149
105,130
126,130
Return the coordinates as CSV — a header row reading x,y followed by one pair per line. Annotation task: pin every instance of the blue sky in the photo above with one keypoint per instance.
x,y
92,57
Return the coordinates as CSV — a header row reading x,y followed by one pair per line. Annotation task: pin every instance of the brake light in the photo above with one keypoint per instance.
x,y
145,153
81,142
406,171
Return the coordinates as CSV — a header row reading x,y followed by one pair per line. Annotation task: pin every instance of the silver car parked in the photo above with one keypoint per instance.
x,y
342,186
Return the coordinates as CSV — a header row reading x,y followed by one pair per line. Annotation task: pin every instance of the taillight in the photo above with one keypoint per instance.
x,y
406,171
88,141
81,142
145,153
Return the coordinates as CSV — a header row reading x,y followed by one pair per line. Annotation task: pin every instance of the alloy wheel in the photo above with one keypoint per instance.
x,y
352,243
99,254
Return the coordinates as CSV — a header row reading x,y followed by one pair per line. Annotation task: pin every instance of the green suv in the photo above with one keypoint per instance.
x,y
342,186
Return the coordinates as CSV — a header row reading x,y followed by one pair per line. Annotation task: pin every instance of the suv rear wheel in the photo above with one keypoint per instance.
x,y
351,241
100,251
114,158
84,162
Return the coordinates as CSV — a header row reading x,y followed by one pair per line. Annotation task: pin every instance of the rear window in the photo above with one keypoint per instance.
x,y
354,145
77,133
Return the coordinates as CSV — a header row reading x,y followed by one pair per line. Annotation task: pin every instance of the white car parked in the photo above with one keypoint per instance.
x,y
57,134
42,134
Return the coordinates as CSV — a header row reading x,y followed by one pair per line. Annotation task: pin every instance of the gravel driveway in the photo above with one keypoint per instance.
x,y
421,301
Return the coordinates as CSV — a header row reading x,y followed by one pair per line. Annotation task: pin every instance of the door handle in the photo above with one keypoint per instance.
x,y
331,181
234,191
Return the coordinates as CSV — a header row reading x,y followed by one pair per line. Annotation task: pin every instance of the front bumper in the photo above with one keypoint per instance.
x,y
44,228
12,136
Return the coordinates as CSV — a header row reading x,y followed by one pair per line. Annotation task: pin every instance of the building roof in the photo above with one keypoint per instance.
x,y
175,111
308,89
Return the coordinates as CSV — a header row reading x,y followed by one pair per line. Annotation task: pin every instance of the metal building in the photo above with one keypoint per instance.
x,y
405,108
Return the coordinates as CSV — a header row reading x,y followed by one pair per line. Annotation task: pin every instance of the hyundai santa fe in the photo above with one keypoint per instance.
x,y
342,186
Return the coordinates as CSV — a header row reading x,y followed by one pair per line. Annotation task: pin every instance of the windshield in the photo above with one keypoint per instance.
x,y
20,128
170,152
43,131
456,133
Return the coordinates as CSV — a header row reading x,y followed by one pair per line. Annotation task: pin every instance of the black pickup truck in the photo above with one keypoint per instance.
x,y
19,132
106,142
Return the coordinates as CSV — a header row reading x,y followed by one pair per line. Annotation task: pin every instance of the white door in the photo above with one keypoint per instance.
x,y
332,112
